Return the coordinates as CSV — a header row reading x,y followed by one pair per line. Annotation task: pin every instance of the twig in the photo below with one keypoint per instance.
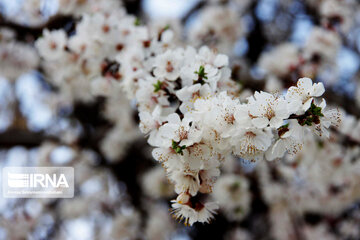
x,y
24,32
194,9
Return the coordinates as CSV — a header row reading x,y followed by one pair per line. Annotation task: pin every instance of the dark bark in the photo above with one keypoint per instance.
x,y
31,33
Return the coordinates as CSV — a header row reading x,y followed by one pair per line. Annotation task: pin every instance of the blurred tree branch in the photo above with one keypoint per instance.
x,y
15,137
30,33
199,5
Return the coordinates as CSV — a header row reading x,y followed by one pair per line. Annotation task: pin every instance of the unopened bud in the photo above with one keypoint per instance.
x,y
183,198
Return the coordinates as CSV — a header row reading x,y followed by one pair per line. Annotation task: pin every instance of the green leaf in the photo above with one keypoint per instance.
x,y
166,27
312,115
157,86
201,73
315,110
177,148
284,126
137,22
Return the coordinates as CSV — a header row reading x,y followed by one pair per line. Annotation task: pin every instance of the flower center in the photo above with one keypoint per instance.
x,y
183,134
229,118
169,67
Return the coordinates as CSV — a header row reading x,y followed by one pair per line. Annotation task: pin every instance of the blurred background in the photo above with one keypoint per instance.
x,y
116,178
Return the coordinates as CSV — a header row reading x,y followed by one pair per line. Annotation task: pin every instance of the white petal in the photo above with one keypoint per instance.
x,y
260,122
174,118
221,60
318,89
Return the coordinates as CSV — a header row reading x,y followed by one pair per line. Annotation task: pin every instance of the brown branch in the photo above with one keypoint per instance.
x,y
21,137
193,10
26,33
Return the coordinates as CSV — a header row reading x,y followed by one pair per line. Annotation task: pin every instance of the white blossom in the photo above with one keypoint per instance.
x,y
301,96
266,109
190,215
52,45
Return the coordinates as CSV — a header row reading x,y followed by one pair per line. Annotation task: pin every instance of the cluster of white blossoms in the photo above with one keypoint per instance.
x,y
187,102
73,63
316,58
36,13
155,184
218,26
330,192
118,111
192,144
335,14
16,58
84,66
99,203
77,8
231,192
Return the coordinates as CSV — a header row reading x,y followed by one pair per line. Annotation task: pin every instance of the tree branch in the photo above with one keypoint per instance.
x,y
21,137
194,9
26,33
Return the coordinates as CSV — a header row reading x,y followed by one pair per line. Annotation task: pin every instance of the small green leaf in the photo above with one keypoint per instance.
x,y
177,148
201,75
312,115
157,86
315,110
201,72
137,22
284,126
166,27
